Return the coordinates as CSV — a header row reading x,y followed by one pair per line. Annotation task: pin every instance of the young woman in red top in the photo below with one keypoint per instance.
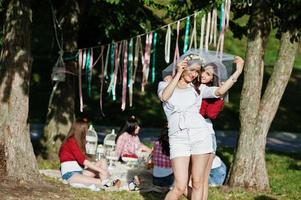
x,y
75,166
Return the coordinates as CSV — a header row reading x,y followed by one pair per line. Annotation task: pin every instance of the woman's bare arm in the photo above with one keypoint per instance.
x,y
232,79
167,92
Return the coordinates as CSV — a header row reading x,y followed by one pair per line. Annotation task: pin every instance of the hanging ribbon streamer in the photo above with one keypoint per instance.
x,y
117,61
87,64
250,2
102,77
112,58
136,59
227,13
176,54
220,43
130,72
214,27
80,63
186,38
124,76
202,32
222,17
90,70
147,54
120,64
154,57
207,30
193,33
105,71
211,28
225,10
167,44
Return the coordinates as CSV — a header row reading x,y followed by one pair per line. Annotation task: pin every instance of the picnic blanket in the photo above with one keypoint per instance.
x,y
117,171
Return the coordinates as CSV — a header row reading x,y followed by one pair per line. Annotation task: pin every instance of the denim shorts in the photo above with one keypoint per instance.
x,y
217,175
68,175
189,142
166,181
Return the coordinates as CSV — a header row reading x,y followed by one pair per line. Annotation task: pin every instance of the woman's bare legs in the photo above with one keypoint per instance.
x,y
208,169
80,178
198,174
180,166
104,174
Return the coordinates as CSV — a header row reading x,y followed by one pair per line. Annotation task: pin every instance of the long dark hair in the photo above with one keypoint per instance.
x,y
164,140
79,130
197,81
129,126
215,81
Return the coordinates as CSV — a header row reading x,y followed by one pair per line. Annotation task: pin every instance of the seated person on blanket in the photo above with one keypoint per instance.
x,y
162,171
75,165
127,141
218,172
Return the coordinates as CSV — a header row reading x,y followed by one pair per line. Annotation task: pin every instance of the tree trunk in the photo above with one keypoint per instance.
x,y
256,114
17,159
248,169
62,114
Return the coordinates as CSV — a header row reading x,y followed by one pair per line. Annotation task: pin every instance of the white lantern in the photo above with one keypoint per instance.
x,y
91,141
109,140
109,145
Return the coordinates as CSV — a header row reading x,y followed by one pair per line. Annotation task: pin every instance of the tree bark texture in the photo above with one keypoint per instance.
x,y
257,112
61,113
17,159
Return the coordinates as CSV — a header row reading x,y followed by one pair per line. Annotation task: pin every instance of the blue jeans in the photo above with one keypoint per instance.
x,y
165,181
217,175
68,175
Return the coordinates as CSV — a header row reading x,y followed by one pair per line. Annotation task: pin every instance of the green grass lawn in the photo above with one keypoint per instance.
x,y
284,175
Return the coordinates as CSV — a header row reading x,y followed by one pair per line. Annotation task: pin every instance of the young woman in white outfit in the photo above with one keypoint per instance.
x,y
189,134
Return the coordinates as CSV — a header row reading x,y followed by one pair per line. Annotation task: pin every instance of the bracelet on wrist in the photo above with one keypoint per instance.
x,y
233,79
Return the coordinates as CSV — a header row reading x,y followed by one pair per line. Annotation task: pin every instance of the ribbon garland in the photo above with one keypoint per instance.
x,y
186,37
123,49
154,57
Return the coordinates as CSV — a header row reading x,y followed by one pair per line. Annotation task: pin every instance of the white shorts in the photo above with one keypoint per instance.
x,y
189,142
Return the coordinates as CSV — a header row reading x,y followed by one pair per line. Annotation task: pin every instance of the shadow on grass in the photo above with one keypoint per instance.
x,y
264,197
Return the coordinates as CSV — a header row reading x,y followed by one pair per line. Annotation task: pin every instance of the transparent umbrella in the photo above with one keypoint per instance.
x,y
224,62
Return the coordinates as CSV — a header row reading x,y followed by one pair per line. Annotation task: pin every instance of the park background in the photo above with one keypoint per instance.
x,y
117,21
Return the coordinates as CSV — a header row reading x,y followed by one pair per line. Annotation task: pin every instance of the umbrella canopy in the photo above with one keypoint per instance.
x,y
224,62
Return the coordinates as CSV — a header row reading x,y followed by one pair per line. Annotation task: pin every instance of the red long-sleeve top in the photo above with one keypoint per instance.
x,y
210,108
70,151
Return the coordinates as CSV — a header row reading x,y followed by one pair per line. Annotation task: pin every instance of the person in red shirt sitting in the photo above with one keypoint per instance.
x,y
75,166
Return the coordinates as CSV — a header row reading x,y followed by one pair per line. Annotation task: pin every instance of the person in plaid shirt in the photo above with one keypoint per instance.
x,y
162,171
128,143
